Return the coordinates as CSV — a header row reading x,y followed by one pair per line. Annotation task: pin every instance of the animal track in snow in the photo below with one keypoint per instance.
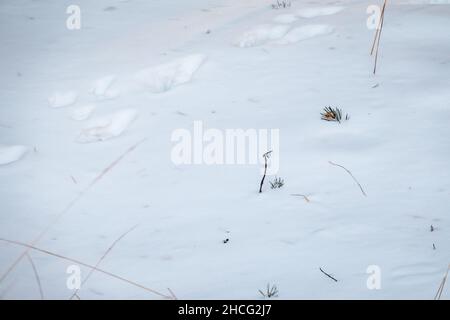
x,y
82,113
164,77
107,127
62,99
305,32
261,34
102,88
10,154
318,11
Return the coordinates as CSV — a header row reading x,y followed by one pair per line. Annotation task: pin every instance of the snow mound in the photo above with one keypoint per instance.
x,y
285,18
306,32
261,34
82,113
62,99
10,154
101,87
164,77
107,127
319,11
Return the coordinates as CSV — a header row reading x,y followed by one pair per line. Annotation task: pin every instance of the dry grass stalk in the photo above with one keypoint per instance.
x,y
301,195
67,209
102,258
36,275
376,40
353,177
32,247
441,286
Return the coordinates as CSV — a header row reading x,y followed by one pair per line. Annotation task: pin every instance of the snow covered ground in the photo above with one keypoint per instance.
x,y
86,119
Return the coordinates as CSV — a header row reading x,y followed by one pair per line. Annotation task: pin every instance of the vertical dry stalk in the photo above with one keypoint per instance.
x,y
376,40
266,157
377,33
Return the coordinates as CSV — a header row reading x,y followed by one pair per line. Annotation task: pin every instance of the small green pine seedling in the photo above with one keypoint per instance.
x,y
277,183
281,4
271,291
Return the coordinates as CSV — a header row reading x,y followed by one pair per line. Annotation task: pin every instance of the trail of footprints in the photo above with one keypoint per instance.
x,y
282,33
155,79
164,77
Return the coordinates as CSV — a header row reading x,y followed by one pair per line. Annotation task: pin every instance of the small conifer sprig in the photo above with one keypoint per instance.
x,y
333,114
277,183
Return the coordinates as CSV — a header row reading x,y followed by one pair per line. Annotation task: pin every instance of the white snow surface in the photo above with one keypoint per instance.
x,y
77,199
285,18
318,11
10,154
62,99
83,112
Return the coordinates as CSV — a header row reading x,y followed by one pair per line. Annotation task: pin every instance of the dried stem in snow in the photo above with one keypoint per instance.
x,y
353,177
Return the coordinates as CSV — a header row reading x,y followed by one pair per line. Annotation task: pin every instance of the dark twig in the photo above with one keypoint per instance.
x,y
265,156
348,171
328,275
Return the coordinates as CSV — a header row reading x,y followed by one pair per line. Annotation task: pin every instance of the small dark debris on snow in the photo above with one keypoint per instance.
x,y
181,113
226,240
